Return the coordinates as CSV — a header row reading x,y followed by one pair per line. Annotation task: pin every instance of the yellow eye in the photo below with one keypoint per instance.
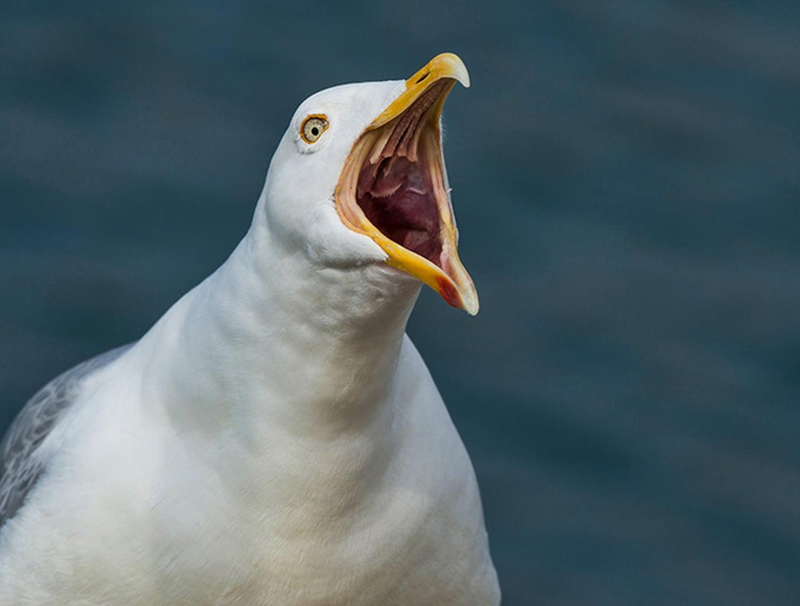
x,y
312,128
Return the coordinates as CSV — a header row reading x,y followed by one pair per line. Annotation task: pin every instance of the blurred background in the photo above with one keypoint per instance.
x,y
627,182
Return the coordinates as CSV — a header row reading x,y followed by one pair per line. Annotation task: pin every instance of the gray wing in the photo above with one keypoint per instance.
x,y
19,469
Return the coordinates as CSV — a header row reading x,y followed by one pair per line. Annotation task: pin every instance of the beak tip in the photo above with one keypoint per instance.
x,y
471,306
462,75
464,296
451,66
458,69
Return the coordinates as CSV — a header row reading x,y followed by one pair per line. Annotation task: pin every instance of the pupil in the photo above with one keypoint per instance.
x,y
314,131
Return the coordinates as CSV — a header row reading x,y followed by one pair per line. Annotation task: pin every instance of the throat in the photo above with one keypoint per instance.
x,y
275,336
396,195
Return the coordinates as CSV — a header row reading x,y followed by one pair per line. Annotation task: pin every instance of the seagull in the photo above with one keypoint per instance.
x,y
275,438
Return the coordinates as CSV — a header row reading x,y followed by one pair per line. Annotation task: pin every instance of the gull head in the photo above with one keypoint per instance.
x,y
359,178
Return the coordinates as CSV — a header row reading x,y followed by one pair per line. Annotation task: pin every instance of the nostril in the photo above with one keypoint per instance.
x,y
421,78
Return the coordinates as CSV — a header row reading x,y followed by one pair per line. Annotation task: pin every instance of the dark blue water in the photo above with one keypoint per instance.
x,y
627,181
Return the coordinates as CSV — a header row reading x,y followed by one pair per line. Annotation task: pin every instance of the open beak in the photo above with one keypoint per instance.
x,y
392,187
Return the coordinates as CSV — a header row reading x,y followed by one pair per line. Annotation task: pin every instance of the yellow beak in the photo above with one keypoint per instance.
x,y
449,278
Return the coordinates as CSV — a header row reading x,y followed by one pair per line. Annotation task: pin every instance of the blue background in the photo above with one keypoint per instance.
x,y
627,182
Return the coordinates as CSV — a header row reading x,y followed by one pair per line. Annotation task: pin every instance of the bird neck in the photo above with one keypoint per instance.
x,y
272,338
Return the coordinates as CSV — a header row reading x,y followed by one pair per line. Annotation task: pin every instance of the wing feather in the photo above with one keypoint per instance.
x,y
20,468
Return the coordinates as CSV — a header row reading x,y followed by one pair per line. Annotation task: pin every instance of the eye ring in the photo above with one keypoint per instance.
x,y
313,127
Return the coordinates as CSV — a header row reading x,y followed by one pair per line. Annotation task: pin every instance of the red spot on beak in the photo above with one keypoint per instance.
x,y
448,292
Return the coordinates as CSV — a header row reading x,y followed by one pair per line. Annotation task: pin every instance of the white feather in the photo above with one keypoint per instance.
x,y
274,439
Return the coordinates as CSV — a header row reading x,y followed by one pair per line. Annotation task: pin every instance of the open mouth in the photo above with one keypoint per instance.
x,y
396,187
392,189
